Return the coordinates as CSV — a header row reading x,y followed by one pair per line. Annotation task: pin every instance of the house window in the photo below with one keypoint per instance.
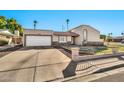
x,y
85,35
62,39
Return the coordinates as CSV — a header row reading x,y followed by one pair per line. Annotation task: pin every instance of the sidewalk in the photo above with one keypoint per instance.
x,y
108,76
94,69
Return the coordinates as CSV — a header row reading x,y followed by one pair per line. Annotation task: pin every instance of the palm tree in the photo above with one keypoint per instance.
x,y
109,34
122,35
67,21
109,38
35,22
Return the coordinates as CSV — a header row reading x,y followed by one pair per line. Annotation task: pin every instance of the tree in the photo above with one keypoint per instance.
x,y
109,38
103,37
122,35
11,24
35,22
67,21
109,34
19,28
3,22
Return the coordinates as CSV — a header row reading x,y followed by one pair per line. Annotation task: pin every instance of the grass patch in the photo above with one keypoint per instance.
x,y
108,49
103,51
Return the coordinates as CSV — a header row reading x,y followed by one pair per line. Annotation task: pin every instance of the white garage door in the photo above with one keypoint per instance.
x,y
38,40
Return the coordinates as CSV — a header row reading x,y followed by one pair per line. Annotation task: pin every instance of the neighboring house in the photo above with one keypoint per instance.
x,y
17,39
5,33
9,37
117,39
5,36
81,35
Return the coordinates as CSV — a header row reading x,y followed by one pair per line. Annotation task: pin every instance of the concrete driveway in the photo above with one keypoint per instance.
x,y
33,65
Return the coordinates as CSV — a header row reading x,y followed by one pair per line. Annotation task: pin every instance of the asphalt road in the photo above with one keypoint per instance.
x,y
119,77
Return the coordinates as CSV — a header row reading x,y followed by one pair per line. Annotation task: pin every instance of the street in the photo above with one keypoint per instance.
x,y
112,78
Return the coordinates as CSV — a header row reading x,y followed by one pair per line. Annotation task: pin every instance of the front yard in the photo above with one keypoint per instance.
x,y
98,50
108,48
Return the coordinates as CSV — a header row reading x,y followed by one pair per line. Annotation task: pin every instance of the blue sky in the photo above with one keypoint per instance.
x,y
105,21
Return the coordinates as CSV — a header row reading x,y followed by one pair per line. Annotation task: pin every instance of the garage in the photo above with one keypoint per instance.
x,y
38,40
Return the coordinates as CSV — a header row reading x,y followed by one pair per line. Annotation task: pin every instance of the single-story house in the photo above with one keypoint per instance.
x,y
88,35
81,35
117,39
5,37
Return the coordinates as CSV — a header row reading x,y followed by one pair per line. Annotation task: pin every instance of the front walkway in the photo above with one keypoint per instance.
x,y
33,65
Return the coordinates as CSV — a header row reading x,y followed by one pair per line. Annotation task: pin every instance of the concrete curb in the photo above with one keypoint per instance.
x,y
91,77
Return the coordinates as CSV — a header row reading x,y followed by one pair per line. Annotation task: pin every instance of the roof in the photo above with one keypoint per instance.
x,y
38,31
47,32
65,34
84,26
5,32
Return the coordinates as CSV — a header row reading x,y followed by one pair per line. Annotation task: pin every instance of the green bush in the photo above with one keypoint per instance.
x,y
3,42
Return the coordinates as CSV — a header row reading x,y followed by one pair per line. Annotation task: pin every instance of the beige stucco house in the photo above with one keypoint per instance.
x,y
87,35
81,35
